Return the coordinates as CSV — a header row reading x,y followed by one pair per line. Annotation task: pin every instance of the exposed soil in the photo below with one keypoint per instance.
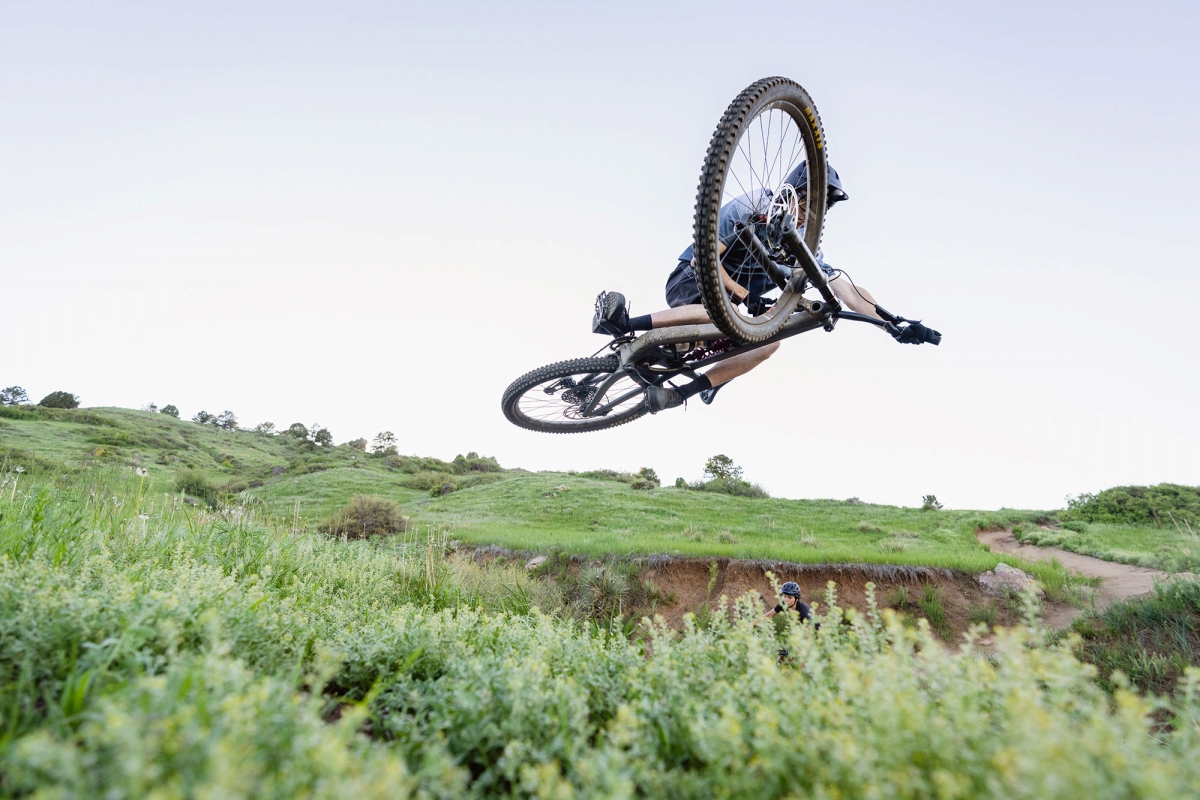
x,y
686,582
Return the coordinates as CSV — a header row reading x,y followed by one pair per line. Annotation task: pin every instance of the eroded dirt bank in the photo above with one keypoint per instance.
x,y
683,585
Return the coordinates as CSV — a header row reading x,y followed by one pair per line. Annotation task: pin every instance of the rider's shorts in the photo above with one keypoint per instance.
x,y
682,289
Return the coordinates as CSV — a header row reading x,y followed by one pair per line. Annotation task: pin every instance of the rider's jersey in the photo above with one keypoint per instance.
x,y
737,260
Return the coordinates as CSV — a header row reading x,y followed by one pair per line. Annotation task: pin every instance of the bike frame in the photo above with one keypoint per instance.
x,y
638,357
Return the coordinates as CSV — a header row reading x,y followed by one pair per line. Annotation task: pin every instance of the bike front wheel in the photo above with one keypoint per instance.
x,y
752,177
554,398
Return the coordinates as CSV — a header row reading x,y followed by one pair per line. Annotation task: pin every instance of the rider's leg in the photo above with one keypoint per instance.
x,y
682,315
740,365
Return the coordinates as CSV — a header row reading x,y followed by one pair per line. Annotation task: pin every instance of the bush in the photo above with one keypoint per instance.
x,y
646,479
424,481
364,517
930,502
680,483
195,483
170,411
59,400
358,444
203,418
734,486
472,462
1137,505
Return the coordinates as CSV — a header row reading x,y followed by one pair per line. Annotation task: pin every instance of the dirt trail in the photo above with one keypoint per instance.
x,y
1118,581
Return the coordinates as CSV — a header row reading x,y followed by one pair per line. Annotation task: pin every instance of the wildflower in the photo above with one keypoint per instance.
x,y
141,473
143,516
19,470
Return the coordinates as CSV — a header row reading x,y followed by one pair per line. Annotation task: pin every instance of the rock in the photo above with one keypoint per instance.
x,y
446,489
279,470
1003,581
560,488
191,501
535,562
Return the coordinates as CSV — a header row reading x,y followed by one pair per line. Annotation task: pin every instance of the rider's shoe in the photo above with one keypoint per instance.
x,y
708,395
612,317
660,398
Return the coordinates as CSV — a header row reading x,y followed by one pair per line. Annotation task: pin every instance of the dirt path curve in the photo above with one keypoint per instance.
x,y
1118,581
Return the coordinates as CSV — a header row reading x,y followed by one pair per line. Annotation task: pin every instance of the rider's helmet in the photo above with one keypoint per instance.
x,y
790,588
798,178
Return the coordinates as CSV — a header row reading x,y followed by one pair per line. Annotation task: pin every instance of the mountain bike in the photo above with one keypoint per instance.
x,y
762,136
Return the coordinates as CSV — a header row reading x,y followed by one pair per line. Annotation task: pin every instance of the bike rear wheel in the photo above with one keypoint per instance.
x,y
764,135
551,399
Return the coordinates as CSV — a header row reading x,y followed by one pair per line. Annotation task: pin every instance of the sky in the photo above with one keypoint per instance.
x,y
375,216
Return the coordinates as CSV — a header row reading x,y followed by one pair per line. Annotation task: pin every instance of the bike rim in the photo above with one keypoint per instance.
x,y
560,401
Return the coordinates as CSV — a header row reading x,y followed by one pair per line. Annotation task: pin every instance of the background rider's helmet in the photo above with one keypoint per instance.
x,y
799,179
790,588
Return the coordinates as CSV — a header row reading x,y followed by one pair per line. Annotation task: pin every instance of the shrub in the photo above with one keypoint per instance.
x,y
732,486
203,417
680,483
297,430
170,411
472,462
930,502
384,444
358,444
364,517
646,479
226,421
1137,505
424,481
195,483
13,396
59,400
445,489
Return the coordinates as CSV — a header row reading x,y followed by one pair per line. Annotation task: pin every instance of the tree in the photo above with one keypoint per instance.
x,y
384,444
60,400
722,466
297,430
203,417
358,444
170,411
319,436
150,407
226,421
265,428
13,396
929,502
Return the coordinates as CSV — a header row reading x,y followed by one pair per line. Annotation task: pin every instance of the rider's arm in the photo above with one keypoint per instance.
x,y
767,615
852,300
738,291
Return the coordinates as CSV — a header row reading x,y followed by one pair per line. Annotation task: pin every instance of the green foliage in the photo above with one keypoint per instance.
x,y
444,489
321,437
194,655
473,462
59,400
721,467
196,483
646,479
680,483
170,411
225,421
1137,504
357,444
733,486
13,396
1149,641
297,430
364,517
203,418
930,603
930,502
384,444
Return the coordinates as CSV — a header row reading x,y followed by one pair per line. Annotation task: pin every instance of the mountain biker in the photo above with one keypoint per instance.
x,y
790,601
683,296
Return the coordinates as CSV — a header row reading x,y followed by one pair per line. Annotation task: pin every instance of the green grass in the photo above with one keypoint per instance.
x,y
197,653
594,517
1150,641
